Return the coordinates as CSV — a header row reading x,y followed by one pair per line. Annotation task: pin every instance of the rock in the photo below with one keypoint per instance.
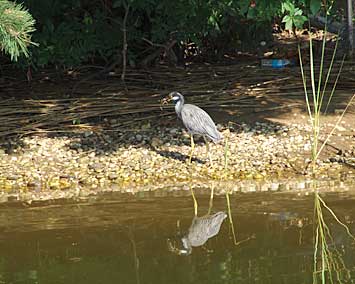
x,y
87,134
13,177
173,131
97,167
112,176
156,142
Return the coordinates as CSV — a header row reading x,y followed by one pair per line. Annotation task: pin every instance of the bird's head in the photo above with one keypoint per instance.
x,y
173,96
176,97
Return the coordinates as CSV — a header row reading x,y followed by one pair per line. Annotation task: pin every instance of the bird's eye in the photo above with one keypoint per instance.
x,y
176,98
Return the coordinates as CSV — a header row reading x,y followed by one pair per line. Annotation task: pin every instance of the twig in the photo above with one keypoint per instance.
x,y
167,48
124,48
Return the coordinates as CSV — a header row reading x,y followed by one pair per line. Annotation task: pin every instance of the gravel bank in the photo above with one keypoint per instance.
x,y
78,165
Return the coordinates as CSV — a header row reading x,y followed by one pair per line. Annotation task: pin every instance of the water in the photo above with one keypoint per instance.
x,y
124,238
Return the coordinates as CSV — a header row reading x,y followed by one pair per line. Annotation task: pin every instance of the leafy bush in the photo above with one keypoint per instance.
x,y
294,17
72,32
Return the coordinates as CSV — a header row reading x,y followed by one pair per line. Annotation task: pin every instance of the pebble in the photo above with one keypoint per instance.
x,y
112,176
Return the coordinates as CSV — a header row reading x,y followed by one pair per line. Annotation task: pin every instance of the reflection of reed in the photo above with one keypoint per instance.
x,y
328,260
231,218
135,256
232,224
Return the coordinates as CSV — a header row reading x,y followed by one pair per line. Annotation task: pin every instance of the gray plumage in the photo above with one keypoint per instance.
x,y
195,119
202,229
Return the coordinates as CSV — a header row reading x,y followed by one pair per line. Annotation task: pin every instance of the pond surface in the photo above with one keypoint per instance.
x,y
125,238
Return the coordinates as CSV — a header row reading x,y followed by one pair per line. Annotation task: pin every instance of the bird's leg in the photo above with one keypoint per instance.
x,y
192,148
208,151
211,201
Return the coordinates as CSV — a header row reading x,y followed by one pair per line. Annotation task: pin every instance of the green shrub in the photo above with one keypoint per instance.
x,y
73,32
16,26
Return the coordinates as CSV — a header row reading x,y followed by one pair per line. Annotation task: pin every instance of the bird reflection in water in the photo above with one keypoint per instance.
x,y
200,231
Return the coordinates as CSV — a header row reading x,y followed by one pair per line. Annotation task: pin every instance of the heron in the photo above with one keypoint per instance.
x,y
196,121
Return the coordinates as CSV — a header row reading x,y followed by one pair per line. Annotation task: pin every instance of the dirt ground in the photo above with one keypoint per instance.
x,y
248,93
238,90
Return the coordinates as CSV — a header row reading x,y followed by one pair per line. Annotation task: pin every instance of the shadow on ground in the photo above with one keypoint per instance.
x,y
101,117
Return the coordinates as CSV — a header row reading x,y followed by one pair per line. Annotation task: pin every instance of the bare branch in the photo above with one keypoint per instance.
x,y
124,48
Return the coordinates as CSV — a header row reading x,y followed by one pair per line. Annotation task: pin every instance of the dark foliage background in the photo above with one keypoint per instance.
x,y
74,32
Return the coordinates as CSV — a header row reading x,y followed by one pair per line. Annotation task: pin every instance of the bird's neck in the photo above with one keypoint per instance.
x,y
178,107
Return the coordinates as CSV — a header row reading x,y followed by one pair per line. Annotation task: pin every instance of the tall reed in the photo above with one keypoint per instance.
x,y
315,99
329,266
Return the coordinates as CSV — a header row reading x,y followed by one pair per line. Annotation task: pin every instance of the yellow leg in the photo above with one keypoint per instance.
x,y
192,147
211,201
195,201
208,151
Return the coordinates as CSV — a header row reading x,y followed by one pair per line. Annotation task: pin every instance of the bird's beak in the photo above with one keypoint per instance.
x,y
166,100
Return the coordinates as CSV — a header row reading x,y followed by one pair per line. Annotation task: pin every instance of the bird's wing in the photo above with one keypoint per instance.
x,y
203,228
216,221
197,235
198,121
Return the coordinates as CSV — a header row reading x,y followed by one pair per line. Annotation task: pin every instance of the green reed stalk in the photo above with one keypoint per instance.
x,y
226,154
326,256
226,148
317,95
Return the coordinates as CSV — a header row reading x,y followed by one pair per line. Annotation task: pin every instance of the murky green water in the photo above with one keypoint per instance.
x,y
123,238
